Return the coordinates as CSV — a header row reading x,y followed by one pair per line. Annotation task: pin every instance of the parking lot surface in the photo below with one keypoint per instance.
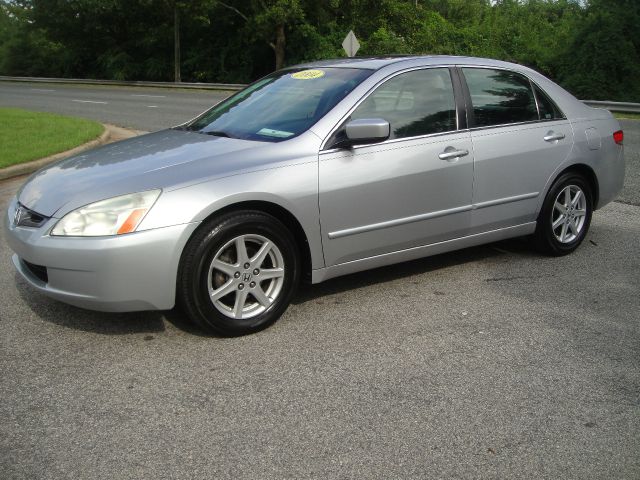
x,y
491,362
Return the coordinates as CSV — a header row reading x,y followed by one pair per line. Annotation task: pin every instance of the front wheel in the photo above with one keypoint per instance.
x,y
565,216
238,273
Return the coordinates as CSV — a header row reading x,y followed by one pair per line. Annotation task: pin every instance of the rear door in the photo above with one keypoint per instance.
x,y
519,138
399,193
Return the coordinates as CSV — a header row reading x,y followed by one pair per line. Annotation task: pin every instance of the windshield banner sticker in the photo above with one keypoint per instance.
x,y
307,74
268,132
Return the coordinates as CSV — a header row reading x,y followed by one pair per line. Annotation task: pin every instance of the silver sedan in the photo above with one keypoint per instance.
x,y
313,172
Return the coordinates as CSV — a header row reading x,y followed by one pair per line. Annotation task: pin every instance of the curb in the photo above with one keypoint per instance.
x,y
111,134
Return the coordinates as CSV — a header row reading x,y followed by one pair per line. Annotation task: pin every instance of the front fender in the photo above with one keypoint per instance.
x,y
293,188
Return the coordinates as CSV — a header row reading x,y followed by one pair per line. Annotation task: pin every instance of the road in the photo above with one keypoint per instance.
x,y
139,108
491,362
631,191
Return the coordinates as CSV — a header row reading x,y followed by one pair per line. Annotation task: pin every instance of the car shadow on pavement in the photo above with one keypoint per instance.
x,y
515,246
156,321
103,323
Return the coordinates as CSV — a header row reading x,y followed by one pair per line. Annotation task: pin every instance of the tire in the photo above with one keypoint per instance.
x,y
229,292
565,217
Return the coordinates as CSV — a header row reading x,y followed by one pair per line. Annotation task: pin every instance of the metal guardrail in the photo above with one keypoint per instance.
x,y
125,83
626,107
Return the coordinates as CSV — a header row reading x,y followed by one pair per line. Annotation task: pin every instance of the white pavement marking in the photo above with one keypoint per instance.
x,y
152,106
42,90
149,96
87,101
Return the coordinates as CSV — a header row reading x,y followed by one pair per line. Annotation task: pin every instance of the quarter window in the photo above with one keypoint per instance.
x,y
500,97
548,109
415,103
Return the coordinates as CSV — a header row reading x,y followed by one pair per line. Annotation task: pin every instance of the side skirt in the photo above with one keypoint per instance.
x,y
322,274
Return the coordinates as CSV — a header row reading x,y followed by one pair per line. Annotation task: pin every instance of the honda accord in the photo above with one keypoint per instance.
x,y
312,172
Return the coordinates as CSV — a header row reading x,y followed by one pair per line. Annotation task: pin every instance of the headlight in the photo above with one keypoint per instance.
x,y
113,216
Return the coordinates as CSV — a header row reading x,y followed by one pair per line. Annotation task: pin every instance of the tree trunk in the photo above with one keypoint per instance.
x,y
278,48
176,44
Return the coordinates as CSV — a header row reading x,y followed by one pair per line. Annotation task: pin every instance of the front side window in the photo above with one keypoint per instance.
x,y
500,97
415,103
279,106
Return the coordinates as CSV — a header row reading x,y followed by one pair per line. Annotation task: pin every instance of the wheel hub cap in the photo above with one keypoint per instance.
x,y
246,276
569,214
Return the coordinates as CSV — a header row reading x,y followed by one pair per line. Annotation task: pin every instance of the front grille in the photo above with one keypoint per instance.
x,y
38,270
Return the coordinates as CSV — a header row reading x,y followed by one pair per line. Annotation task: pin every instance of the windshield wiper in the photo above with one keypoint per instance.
x,y
217,133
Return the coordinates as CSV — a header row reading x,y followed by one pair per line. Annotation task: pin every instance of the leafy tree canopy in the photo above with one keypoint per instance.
x,y
590,47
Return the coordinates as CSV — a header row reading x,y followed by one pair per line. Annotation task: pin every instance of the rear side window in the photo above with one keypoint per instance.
x,y
500,97
414,103
548,109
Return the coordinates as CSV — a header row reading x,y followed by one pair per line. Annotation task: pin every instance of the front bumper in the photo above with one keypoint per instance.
x,y
129,272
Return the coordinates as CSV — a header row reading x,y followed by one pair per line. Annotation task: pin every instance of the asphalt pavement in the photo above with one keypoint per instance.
x,y
139,108
631,191
491,362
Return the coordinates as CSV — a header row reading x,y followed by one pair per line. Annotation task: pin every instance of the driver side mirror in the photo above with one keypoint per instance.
x,y
364,130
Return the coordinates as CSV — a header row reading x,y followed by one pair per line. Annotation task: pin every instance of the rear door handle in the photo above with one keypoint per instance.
x,y
552,137
451,154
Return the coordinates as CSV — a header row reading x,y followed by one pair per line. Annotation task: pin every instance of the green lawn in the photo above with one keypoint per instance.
x,y
628,116
26,136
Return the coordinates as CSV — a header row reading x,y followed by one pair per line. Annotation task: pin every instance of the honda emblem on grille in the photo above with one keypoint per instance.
x,y
18,215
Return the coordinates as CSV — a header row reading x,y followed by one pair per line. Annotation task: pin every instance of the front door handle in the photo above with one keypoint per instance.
x,y
449,154
552,137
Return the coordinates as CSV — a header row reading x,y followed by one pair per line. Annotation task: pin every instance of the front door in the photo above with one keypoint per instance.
x,y
404,192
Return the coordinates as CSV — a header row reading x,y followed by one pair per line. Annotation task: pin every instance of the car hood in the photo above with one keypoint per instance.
x,y
155,160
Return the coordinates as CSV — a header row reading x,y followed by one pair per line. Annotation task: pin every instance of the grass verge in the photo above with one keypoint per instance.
x,y
26,136
627,116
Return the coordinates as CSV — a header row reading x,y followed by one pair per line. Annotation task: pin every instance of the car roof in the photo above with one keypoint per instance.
x,y
391,63
376,63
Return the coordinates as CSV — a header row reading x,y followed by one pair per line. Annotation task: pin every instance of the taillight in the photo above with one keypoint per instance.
x,y
618,137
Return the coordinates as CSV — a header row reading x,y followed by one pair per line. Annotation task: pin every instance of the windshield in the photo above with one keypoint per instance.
x,y
280,106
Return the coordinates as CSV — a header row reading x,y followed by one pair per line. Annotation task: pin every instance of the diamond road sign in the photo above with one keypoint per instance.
x,y
351,44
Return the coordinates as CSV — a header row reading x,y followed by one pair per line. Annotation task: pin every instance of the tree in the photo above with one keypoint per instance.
x,y
176,43
603,58
269,20
589,46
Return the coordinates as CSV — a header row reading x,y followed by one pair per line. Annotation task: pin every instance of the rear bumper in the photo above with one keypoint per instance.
x,y
115,274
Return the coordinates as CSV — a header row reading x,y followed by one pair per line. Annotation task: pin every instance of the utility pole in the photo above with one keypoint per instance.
x,y
176,43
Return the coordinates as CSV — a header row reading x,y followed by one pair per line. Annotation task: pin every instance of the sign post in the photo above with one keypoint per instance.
x,y
350,44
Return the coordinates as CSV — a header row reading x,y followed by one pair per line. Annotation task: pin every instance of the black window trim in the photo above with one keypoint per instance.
x,y
459,93
467,95
534,85
471,120
461,111
535,98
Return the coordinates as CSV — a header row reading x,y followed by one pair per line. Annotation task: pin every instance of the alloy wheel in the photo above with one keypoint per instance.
x,y
246,276
569,214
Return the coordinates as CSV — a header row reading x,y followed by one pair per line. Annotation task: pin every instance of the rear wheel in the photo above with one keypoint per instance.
x,y
565,216
238,273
